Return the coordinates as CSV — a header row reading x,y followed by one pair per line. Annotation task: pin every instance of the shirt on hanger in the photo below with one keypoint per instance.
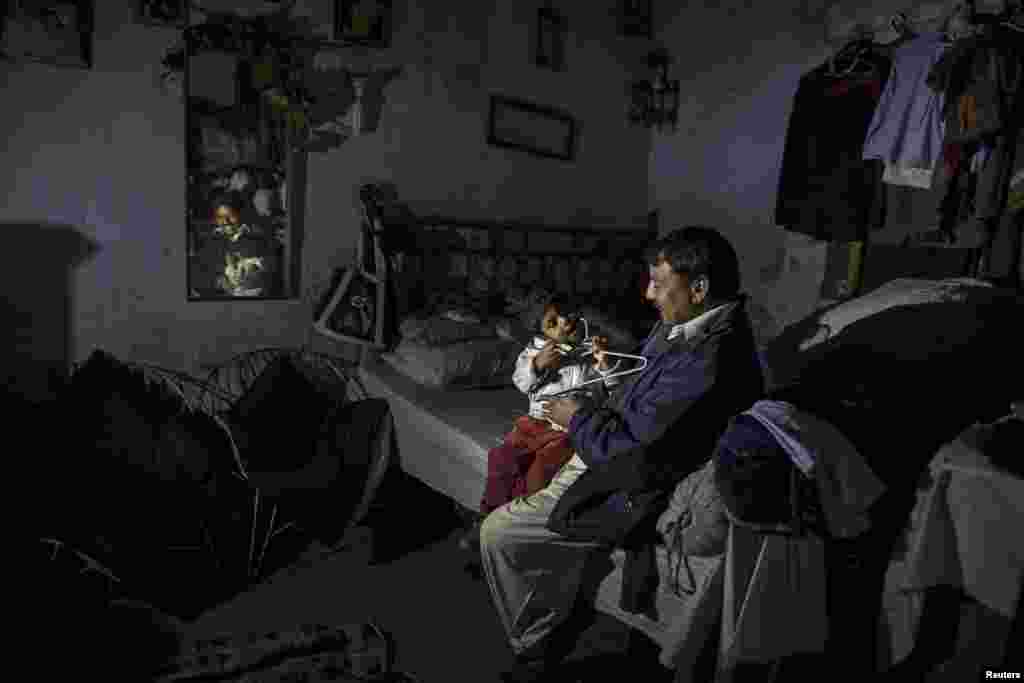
x,y
826,188
908,127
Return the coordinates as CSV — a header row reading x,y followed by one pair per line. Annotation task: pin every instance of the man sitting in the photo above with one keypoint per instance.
x,y
658,426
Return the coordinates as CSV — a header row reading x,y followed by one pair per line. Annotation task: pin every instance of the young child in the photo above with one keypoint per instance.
x,y
535,450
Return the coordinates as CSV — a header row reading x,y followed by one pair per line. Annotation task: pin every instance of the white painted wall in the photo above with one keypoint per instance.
x,y
101,152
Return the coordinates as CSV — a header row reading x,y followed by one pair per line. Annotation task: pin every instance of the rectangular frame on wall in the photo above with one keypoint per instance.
x,y
536,129
56,32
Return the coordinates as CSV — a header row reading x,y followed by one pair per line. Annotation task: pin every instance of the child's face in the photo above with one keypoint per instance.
x,y
556,326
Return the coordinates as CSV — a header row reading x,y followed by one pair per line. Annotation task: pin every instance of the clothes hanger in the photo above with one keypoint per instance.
x,y
587,345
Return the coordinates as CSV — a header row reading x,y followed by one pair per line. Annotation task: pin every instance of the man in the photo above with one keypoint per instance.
x,y
658,426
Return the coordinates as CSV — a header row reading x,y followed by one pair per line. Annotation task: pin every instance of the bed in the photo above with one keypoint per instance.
x,y
446,428
446,425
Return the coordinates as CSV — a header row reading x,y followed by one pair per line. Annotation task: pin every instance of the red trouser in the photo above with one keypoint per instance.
x,y
532,454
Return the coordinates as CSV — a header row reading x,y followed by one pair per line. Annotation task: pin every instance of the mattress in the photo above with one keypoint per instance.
x,y
444,436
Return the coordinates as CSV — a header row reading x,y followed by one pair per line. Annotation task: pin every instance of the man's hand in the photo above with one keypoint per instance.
x,y
601,360
549,357
561,410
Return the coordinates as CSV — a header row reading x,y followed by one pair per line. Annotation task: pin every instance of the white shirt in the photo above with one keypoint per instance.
x,y
568,377
691,328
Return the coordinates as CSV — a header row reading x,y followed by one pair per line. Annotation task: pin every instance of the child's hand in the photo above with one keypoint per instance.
x,y
548,357
600,346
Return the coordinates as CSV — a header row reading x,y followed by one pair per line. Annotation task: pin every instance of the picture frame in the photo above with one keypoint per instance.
x,y
355,310
362,22
56,32
169,13
533,128
549,39
635,19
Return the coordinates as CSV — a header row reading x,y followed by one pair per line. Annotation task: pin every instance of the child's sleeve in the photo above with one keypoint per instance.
x,y
524,376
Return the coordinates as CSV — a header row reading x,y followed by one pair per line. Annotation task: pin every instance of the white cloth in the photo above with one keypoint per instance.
x,y
970,535
898,174
846,485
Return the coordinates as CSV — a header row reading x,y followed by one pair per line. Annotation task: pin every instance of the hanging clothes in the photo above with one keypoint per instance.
x,y
908,127
826,188
982,79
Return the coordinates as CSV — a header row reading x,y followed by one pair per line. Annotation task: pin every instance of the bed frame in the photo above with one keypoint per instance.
x,y
424,257
444,436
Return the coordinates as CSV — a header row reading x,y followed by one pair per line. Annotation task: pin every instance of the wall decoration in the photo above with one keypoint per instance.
x,y
366,22
536,129
635,18
172,13
549,38
48,31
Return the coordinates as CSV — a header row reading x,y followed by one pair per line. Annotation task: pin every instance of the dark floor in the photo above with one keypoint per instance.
x,y
416,585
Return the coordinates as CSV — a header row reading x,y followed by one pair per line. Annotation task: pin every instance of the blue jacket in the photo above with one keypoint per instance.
x,y
669,418
653,431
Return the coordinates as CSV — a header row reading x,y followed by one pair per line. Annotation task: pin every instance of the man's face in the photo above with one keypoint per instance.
x,y
672,294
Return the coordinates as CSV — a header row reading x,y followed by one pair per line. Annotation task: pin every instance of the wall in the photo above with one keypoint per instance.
x,y
739,63
101,151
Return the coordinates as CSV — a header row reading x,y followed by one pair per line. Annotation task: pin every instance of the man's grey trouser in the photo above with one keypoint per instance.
x,y
534,574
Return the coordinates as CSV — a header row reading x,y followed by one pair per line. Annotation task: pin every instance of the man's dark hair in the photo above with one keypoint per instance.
x,y
698,251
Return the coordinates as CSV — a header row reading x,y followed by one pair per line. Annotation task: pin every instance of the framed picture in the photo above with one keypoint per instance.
x,y
366,22
355,310
538,130
55,32
635,18
172,13
549,48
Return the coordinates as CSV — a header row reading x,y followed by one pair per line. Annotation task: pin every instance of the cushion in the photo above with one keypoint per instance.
x,y
438,330
117,412
470,364
619,332
278,420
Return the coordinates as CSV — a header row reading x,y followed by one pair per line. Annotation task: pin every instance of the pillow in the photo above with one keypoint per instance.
x,y
116,411
512,328
620,336
464,365
279,418
439,330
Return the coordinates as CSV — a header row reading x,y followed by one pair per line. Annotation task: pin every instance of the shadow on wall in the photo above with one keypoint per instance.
x,y
36,306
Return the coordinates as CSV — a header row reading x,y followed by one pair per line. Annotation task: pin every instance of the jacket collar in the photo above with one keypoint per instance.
x,y
719,320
